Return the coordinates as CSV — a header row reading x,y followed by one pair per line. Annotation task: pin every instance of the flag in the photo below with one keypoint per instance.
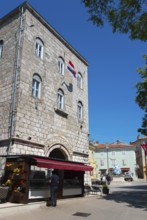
x,y
144,146
71,68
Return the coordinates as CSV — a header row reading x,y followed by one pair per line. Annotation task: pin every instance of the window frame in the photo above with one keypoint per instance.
x,y
79,81
124,162
113,152
80,111
61,65
113,161
123,152
39,48
36,85
102,162
1,48
60,100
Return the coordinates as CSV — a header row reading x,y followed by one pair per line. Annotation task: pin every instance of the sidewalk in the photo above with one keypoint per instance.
x,y
15,208
132,203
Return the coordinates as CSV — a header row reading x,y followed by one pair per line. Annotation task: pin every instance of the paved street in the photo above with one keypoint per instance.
x,y
125,201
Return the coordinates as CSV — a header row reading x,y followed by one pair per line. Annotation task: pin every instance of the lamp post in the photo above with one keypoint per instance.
x,y
144,146
107,148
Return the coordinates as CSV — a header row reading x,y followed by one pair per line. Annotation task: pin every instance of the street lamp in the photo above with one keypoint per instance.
x,y
144,146
107,148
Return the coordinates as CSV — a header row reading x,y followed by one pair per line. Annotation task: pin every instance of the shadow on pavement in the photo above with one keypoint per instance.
x,y
133,196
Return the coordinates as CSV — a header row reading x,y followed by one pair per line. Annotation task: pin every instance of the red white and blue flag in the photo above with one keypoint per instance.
x,y
71,68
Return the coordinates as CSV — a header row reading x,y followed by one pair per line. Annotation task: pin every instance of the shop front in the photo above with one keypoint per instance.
x,y
27,178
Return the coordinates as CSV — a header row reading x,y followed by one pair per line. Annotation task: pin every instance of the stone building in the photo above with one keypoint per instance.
x,y
43,90
92,161
141,158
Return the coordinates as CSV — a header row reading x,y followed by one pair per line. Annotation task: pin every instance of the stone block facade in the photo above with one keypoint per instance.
x,y
35,125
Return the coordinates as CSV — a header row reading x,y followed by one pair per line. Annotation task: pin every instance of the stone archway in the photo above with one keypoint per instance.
x,y
58,152
58,148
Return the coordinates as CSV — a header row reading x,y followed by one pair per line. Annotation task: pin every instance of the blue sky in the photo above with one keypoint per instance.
x,y
113,61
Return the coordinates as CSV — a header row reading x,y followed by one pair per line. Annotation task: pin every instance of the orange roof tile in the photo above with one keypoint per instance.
x,y
114,145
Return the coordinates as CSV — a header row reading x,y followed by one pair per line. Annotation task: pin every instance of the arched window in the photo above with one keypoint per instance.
x,y
39,47
80,111
60,100
1,47
79,80
61,65
36,86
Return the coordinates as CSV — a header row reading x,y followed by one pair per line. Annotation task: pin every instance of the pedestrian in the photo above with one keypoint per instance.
x,y
101,178
54,183
108,178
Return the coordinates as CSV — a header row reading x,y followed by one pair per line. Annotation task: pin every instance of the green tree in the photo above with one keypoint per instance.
x,y
141,97
125,16
129,17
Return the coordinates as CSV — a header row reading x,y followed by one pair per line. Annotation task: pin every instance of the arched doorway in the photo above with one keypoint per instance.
x,y
58,147
70,181
58,154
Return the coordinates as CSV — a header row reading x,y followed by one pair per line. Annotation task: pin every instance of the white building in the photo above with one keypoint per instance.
x,y
117,155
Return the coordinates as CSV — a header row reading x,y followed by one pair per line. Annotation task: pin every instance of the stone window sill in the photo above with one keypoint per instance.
x,y
61,113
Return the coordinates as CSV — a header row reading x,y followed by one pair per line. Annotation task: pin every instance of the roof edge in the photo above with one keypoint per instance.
x,y
27,6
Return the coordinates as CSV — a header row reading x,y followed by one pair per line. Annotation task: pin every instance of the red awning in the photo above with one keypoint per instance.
x,y
61,165
125,169
144,146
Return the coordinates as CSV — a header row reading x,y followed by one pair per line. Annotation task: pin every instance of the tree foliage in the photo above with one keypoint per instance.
x,y
129,17
141,97
125,16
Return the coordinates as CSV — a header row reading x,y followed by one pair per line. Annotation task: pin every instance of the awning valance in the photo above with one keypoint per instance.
x,y
61,165
125,169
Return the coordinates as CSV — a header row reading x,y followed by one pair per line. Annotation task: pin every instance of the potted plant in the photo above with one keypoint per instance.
x,y
105,188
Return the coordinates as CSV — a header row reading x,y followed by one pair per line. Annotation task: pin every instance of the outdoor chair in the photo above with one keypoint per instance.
x,y
91,190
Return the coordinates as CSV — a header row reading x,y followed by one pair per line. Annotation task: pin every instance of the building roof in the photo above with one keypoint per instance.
x,y
115,145
140,140
27,6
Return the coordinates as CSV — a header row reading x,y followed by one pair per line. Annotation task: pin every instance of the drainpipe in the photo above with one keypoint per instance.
x,y
15,81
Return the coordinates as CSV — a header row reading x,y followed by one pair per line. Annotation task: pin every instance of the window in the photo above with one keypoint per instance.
x,y
39,48
124,162
61,65
113,162
80,111
1,47
60,100
36,86
102,162
113,152
79,81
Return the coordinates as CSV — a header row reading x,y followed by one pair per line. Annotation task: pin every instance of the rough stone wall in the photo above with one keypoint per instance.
x,y
8,33
26,149
36,118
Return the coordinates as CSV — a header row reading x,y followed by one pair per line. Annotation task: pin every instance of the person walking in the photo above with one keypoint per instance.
x,y
54,183
108,178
